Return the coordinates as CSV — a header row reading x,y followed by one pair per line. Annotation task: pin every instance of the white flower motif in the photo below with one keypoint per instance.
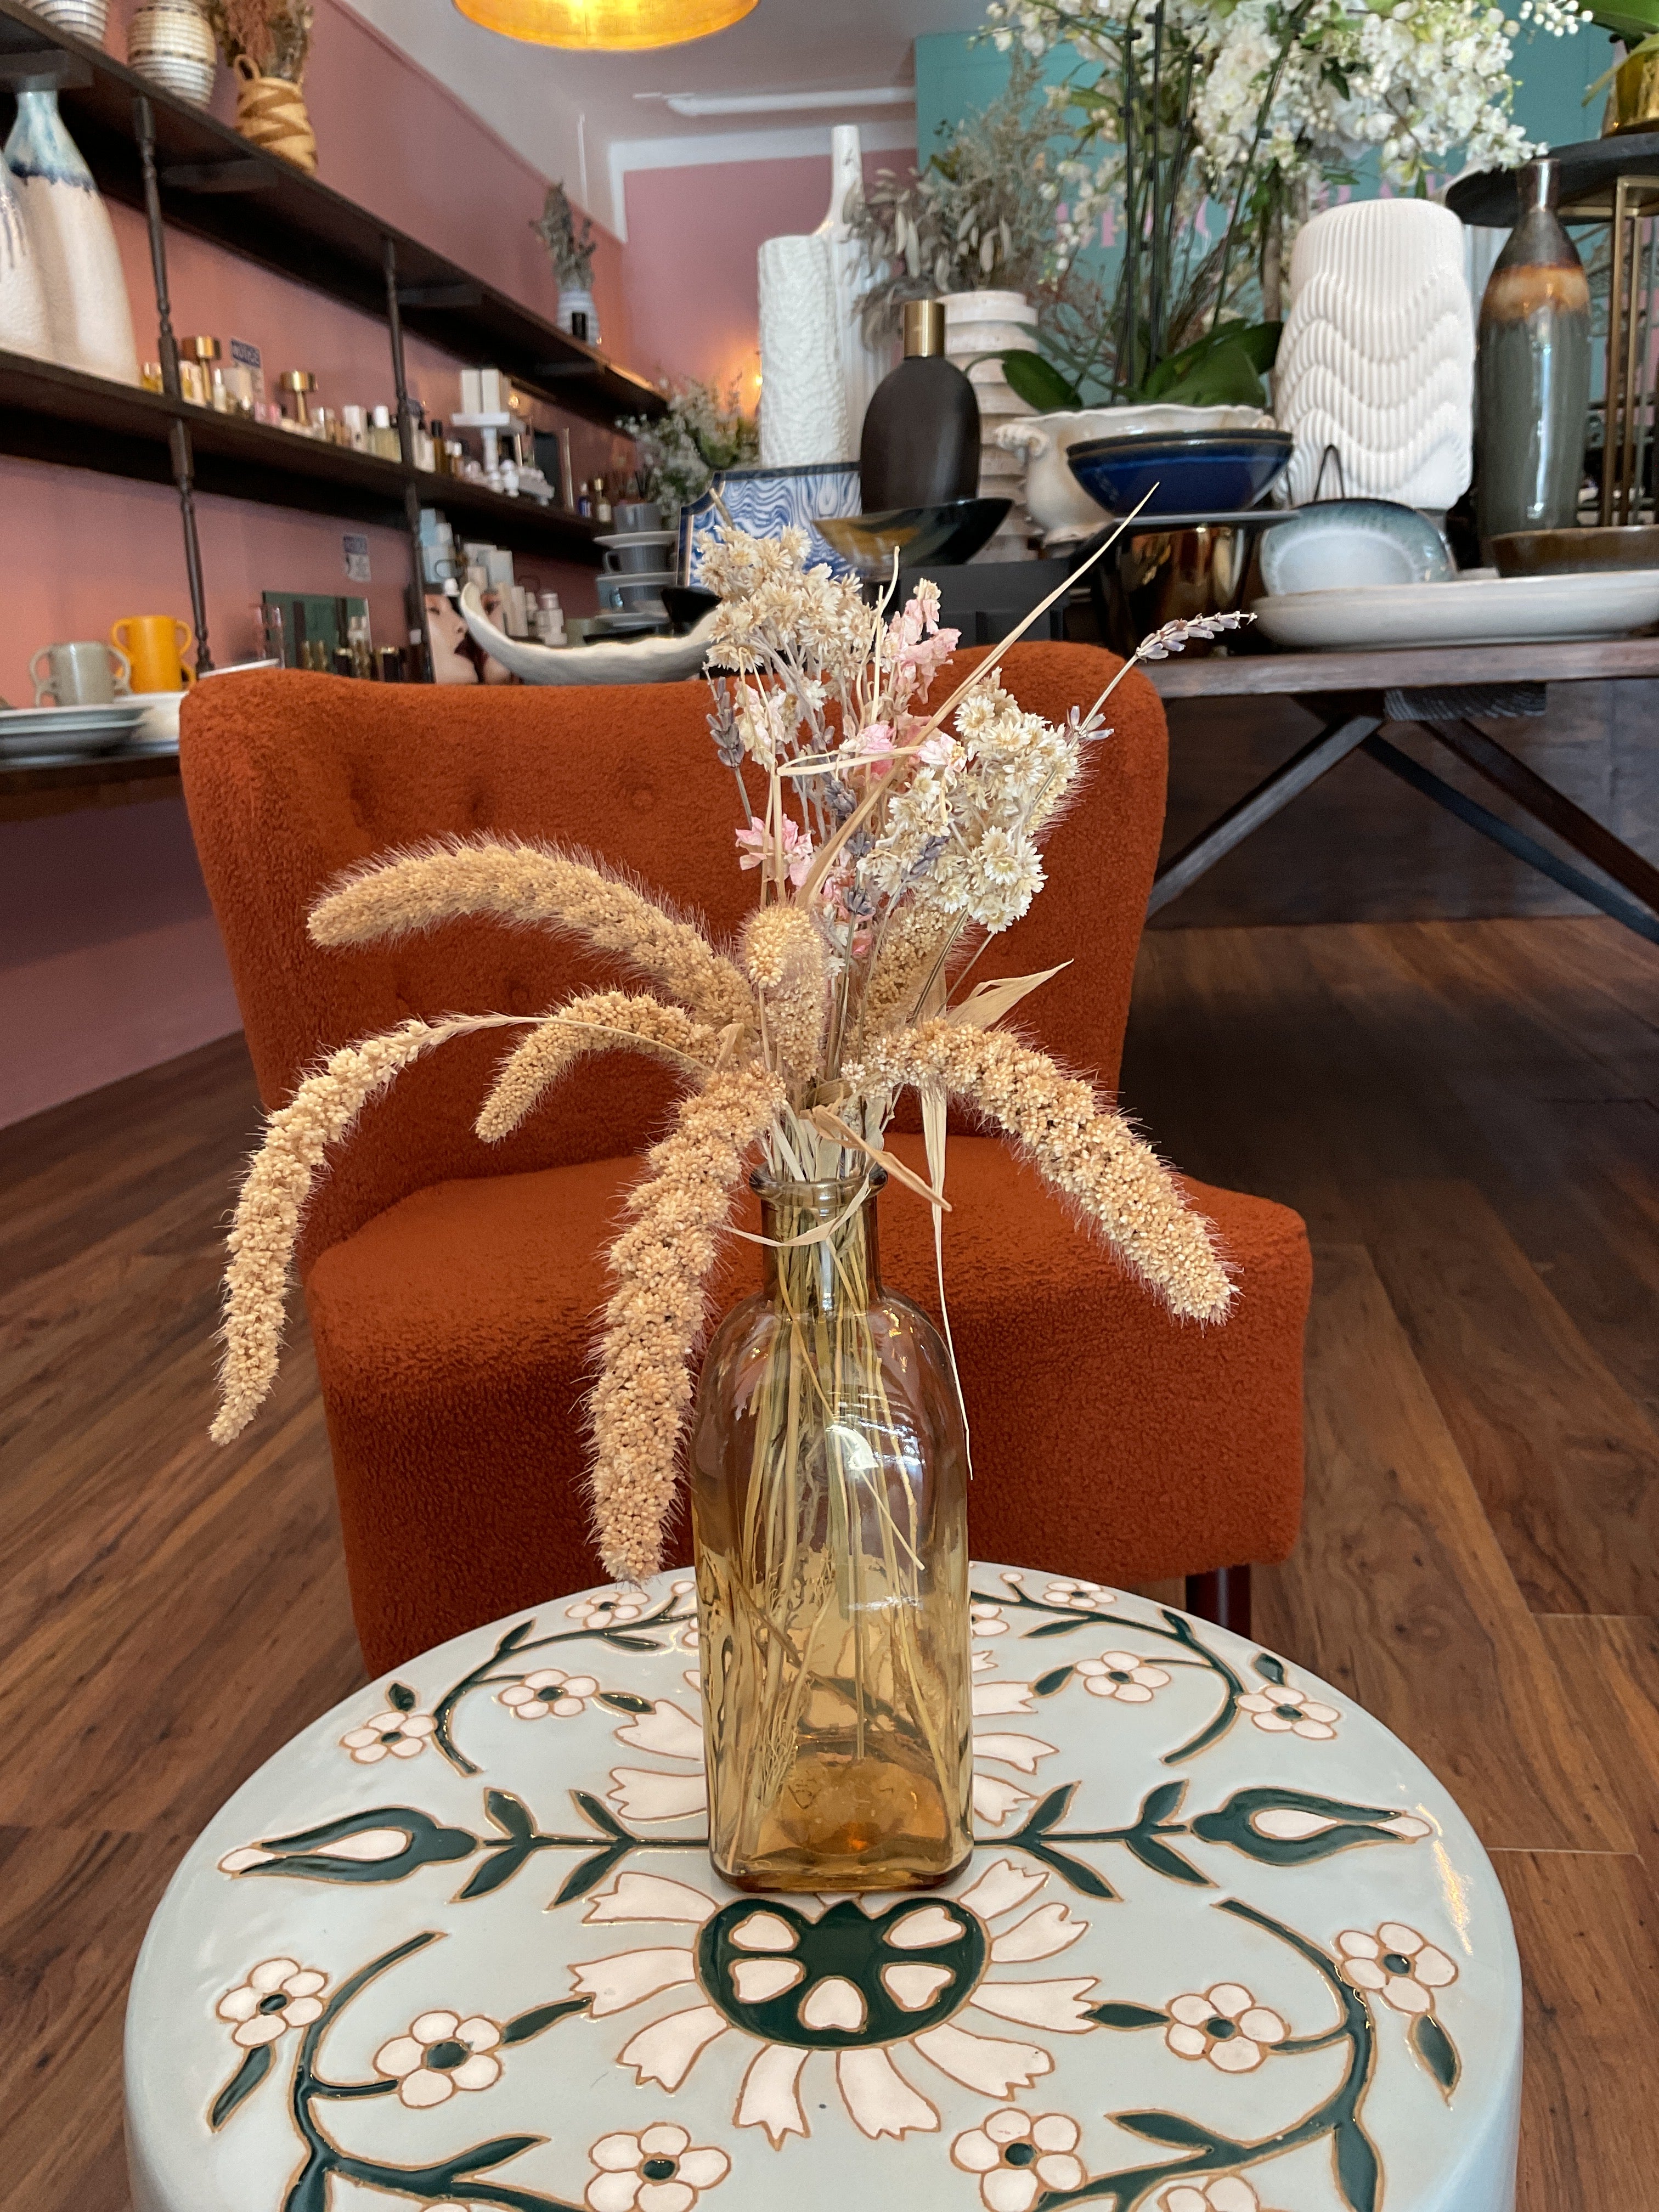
x,y
884,1962
1287,1710
986,1619
1119,1675
1224,2025
441,2054
647,1794
1017,2154
1404,1968
659,2169
279,1994
549,1691
1079,1596
608,1608
388,1735
1227,2192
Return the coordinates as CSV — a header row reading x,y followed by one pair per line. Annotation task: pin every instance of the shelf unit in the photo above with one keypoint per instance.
x,y
182,167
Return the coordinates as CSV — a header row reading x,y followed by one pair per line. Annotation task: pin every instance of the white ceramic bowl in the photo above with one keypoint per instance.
x,y
1343,543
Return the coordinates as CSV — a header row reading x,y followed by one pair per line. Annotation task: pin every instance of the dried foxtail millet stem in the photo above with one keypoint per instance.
x,y
266,1224
599,1021
785,956
542,886
908,951
1087,1153
655,1315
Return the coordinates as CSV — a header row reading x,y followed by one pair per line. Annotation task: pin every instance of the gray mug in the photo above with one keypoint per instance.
x,y
86,673
637,515
629,560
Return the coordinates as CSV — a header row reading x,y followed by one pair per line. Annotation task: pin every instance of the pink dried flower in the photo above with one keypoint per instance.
x,y
755,846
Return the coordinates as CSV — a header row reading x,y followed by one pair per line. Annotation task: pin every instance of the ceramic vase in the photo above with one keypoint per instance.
x,y
804,417
1377,357
863,365
23,325
978,325
88,320
170,44
829,1505
270,114
1534,371
85,19
576,300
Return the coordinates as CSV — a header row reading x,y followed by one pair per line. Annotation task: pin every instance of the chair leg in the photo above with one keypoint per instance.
x,y
1222,1597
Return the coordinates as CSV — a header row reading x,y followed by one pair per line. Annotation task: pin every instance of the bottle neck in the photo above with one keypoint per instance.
x,y
838,1270
1538,186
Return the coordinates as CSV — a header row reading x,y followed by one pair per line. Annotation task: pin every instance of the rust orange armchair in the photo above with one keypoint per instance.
x,y
453,1286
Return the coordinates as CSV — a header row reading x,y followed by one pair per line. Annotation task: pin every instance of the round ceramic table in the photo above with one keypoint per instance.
x,y
1224,1944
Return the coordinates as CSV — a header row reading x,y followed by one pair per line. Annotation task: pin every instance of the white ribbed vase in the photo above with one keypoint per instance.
x,y
86,19
981,322
1377,357
804,417
170,43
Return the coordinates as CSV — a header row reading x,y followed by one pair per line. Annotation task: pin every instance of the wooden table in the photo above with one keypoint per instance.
x,y
1224,1942
1440,689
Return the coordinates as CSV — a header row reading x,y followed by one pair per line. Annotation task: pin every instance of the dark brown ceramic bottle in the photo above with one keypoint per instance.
x,y
1533,370
920,441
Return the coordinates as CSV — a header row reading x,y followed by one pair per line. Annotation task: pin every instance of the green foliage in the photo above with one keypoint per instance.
x,y
570,250
704,430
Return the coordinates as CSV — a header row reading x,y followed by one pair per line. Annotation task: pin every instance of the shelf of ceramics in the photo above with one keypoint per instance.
x,y
216,187
60,416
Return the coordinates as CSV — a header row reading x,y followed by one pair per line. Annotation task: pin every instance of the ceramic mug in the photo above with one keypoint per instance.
x,y
154,643
80,674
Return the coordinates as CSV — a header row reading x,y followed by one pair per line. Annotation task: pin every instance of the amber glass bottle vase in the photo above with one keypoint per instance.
x,y
828,1490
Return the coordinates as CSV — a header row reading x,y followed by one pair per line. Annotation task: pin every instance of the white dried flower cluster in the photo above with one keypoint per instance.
x,y
1295,93
807,635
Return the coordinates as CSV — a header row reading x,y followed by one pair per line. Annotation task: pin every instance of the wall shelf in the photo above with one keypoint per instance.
x,y
61,416
213,185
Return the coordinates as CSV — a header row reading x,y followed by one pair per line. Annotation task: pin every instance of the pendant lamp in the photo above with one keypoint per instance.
x,y
610,24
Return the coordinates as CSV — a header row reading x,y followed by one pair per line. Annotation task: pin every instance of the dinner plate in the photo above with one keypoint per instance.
x,y
639,537
1465,610
67,733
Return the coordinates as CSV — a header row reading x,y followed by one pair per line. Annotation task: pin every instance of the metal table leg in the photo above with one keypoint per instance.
x,y
1334,744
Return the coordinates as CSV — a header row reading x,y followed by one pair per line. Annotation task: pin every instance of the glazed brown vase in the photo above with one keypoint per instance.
x,y
1533,371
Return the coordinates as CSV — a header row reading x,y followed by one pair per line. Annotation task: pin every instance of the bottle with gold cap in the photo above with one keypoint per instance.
x,y
921,442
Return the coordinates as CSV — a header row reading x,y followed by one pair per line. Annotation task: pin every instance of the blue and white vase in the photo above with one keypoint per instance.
x,y
23,325
88,320
767,501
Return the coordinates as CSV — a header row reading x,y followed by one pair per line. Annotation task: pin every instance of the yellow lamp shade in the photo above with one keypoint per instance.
x,y
605,24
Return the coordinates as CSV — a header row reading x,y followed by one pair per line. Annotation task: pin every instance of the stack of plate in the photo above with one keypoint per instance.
x,y
39,734
630,596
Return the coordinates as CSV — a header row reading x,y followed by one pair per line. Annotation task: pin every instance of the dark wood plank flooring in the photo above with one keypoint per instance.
x,y
1467,1114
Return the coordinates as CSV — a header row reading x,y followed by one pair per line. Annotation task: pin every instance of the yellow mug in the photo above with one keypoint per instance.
x,y
153,644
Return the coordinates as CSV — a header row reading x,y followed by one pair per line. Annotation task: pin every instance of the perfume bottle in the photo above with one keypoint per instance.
x,y
920,441
602,508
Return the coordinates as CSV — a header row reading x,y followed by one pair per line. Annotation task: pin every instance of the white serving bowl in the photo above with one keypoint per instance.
x,y
1055,499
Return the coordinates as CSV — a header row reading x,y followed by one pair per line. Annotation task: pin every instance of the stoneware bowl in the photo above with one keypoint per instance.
x,y
1209,472
950,534
1343,542
1576,552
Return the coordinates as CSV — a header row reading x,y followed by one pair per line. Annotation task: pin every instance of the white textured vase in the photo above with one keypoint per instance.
x,y
978,324
23,325
863,366
170,44
88,320
574,301
1377,357
87,18
804,416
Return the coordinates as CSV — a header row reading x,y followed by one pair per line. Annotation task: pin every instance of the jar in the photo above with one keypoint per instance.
x,y
829,1501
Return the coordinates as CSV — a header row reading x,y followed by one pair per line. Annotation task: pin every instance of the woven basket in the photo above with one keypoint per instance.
x,y
270,114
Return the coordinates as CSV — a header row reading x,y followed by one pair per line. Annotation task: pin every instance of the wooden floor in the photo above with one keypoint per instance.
x,y
1468,1115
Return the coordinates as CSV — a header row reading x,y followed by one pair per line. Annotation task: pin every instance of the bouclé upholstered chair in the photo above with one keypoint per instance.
x,y
453,1286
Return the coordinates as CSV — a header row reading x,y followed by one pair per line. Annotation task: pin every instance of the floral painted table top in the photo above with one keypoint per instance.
x,y
1224,1946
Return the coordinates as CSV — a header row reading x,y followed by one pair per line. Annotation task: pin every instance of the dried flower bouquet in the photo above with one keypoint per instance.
x,y
884,835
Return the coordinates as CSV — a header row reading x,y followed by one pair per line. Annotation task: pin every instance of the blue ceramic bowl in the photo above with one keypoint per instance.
x,y
1207,472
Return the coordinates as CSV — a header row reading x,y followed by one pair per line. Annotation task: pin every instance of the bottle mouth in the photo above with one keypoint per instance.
x,y
827,1198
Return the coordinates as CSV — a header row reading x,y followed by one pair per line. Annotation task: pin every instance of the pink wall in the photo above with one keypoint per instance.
x,y
109,959
689,270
